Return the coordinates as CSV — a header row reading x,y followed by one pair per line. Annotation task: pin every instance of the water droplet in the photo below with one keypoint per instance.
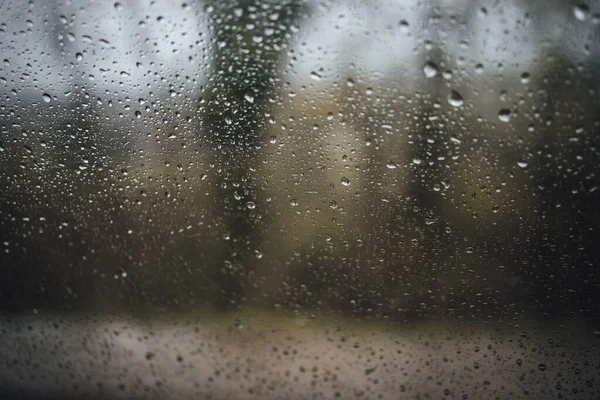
x,y
404,26
479,68
391,165
118,6
273,139
430,69
542,367
333,204
79,56
522,164
315,76
251,205
249,98
293,202
345,181
121,273
46,97
455,99
581,11
416,161
469,250
504,115
525,78
437,187
350,82
447,75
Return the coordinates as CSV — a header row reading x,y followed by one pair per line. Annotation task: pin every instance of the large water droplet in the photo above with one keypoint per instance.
x,y
504,115
455,99
522,164
46,97
581,11
430,69
404,26
314,75
345,181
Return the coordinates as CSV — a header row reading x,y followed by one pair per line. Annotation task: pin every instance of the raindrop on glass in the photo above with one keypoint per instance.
x,y
430,69
504,115
581,11
522,164
455,99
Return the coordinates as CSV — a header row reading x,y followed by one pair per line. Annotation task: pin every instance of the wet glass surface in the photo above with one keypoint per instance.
x,y
260,199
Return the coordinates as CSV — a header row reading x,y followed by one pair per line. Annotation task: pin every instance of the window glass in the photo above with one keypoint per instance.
x,y
297,199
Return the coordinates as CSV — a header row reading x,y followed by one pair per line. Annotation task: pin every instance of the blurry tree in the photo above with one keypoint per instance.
x,y
249,40
561,248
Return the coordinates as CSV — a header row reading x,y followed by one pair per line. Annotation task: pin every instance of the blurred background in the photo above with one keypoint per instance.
x,y
299,199
397,159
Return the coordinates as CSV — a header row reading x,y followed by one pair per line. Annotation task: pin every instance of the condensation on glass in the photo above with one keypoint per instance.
x,y
296,199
